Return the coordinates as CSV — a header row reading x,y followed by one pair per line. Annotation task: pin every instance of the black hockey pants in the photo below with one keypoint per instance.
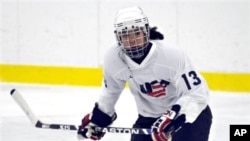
x,y
197,131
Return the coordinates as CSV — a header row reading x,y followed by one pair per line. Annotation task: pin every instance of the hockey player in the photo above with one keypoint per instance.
x,y
170,94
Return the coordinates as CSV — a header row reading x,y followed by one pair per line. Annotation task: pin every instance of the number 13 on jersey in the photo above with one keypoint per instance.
x,y
191,79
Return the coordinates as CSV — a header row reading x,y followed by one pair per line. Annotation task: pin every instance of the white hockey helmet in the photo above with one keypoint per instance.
x,y
129,20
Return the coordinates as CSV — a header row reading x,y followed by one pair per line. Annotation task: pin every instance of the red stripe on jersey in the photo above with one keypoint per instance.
x,y
158,93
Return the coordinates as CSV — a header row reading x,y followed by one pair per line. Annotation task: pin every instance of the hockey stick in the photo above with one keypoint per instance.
x,y
39,124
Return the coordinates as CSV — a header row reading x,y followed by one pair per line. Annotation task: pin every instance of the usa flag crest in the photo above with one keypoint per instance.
x,y
155,88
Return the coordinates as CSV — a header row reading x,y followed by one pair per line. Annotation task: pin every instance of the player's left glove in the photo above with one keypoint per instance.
x,y
165,126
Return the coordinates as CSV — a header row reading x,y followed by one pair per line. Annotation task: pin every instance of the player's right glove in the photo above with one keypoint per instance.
x,y
164,127
90,121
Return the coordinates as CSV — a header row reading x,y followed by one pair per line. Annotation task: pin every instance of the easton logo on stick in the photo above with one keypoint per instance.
x,y
119,130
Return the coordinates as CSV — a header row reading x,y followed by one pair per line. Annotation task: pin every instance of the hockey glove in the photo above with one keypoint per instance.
x,y
155,35
90,121
165,126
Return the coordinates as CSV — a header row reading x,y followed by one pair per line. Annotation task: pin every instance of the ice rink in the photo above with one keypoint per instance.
x,y
65,104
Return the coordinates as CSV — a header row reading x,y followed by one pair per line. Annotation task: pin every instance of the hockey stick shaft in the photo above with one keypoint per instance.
x,y
16,95
102,129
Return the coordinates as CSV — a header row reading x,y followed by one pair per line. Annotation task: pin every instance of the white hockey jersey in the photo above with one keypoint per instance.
x,y
164,78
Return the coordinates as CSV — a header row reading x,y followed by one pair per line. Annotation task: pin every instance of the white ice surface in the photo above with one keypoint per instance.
x,y
65,104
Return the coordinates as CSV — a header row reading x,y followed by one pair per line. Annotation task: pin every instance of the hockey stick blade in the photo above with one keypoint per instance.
x,y
36,122
39,124
24,106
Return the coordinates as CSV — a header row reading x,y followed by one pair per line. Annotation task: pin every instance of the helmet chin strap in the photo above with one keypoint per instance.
x,y
146,51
